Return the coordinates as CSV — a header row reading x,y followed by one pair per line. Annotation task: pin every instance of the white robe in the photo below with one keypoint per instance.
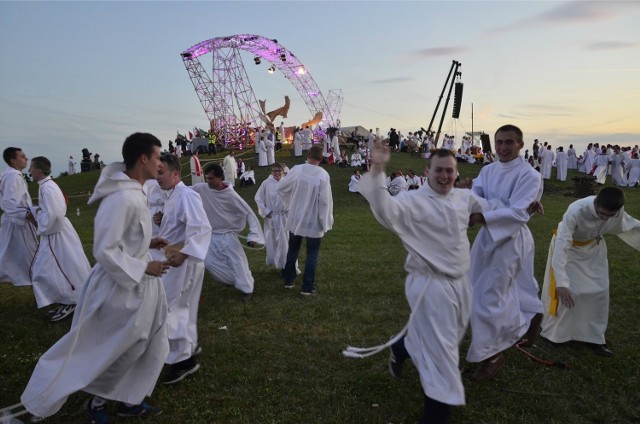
x,y
572,159
184,221
72,167
306,192
228,216
197,176
297,144
262,153
587,162
271,208
60,269
335,146
249,175
505,291
617,170
117,343
437,287
270,145
230,168
307,139
356,159
353,184
18,239
584,270
548,156
634,172
600,173
561,166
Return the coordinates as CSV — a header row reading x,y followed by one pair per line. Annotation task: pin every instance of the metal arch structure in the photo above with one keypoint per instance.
x,y
227,97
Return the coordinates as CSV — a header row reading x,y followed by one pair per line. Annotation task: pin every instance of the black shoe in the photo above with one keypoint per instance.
x,y
63,312
534,328
601,350
181,370
98,414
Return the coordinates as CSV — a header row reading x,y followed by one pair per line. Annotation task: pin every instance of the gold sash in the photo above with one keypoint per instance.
x,y
553,304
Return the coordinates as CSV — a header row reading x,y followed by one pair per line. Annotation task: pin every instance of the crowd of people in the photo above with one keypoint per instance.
x,y
142,295
622,164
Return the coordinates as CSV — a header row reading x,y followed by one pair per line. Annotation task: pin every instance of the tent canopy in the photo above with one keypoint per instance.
x,y
360,131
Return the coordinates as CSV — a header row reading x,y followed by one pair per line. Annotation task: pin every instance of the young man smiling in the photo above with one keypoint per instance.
x,y
437,287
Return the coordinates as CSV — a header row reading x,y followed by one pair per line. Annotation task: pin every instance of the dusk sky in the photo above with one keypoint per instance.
x,y
87,74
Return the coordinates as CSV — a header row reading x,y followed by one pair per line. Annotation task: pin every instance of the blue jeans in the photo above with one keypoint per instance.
x,y
313,249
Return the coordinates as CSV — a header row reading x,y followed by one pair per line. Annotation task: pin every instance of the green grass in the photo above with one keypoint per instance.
x,y
279,361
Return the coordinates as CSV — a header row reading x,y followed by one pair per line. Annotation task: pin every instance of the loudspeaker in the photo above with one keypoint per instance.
x,y
457,100
486,142
85,166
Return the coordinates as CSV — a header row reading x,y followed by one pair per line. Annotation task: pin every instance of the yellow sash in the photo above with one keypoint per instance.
x,y
553,304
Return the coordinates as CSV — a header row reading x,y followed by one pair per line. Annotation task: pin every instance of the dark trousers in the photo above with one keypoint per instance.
x,y
313,250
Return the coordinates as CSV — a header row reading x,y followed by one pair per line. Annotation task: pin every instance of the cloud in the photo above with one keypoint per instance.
x,y
572,12
438,52
536,111
610,45
392,80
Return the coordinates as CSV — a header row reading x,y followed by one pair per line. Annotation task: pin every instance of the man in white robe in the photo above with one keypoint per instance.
x,y
262,152
561,164
60,269
270,145
271,208
307,140
618,166
576,281
601,163
228,216
572,158
587,159
230,168
306,193
186,229
505,291
297,143
437,286
156,197
72,166
18,238
117,343
548,157
197,175
354,181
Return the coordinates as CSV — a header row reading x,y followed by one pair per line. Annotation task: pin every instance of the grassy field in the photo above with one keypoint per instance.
x,y
276,358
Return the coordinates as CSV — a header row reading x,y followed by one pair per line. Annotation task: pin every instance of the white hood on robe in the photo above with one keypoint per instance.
x,y
112,179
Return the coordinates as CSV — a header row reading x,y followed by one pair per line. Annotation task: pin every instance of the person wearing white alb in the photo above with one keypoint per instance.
x,y
572,159
185,227
18,238
72,166
60,269
228,216
548,157
117,343
297,143
272,210
230,169
262,152
561,164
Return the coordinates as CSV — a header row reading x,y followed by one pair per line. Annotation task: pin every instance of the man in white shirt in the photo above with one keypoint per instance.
x,y
306,192
272,210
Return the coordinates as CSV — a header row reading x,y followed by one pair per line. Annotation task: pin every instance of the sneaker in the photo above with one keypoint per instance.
x,y
246,297
311,292
54,311
532,333
395,366
64,312
179,372
288,285
197,351
142,410
98,414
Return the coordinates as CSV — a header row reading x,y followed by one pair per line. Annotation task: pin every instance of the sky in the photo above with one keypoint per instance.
x,y
87,74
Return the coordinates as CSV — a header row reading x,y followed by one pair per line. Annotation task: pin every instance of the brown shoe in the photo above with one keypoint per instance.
x,y
489,367
534,328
